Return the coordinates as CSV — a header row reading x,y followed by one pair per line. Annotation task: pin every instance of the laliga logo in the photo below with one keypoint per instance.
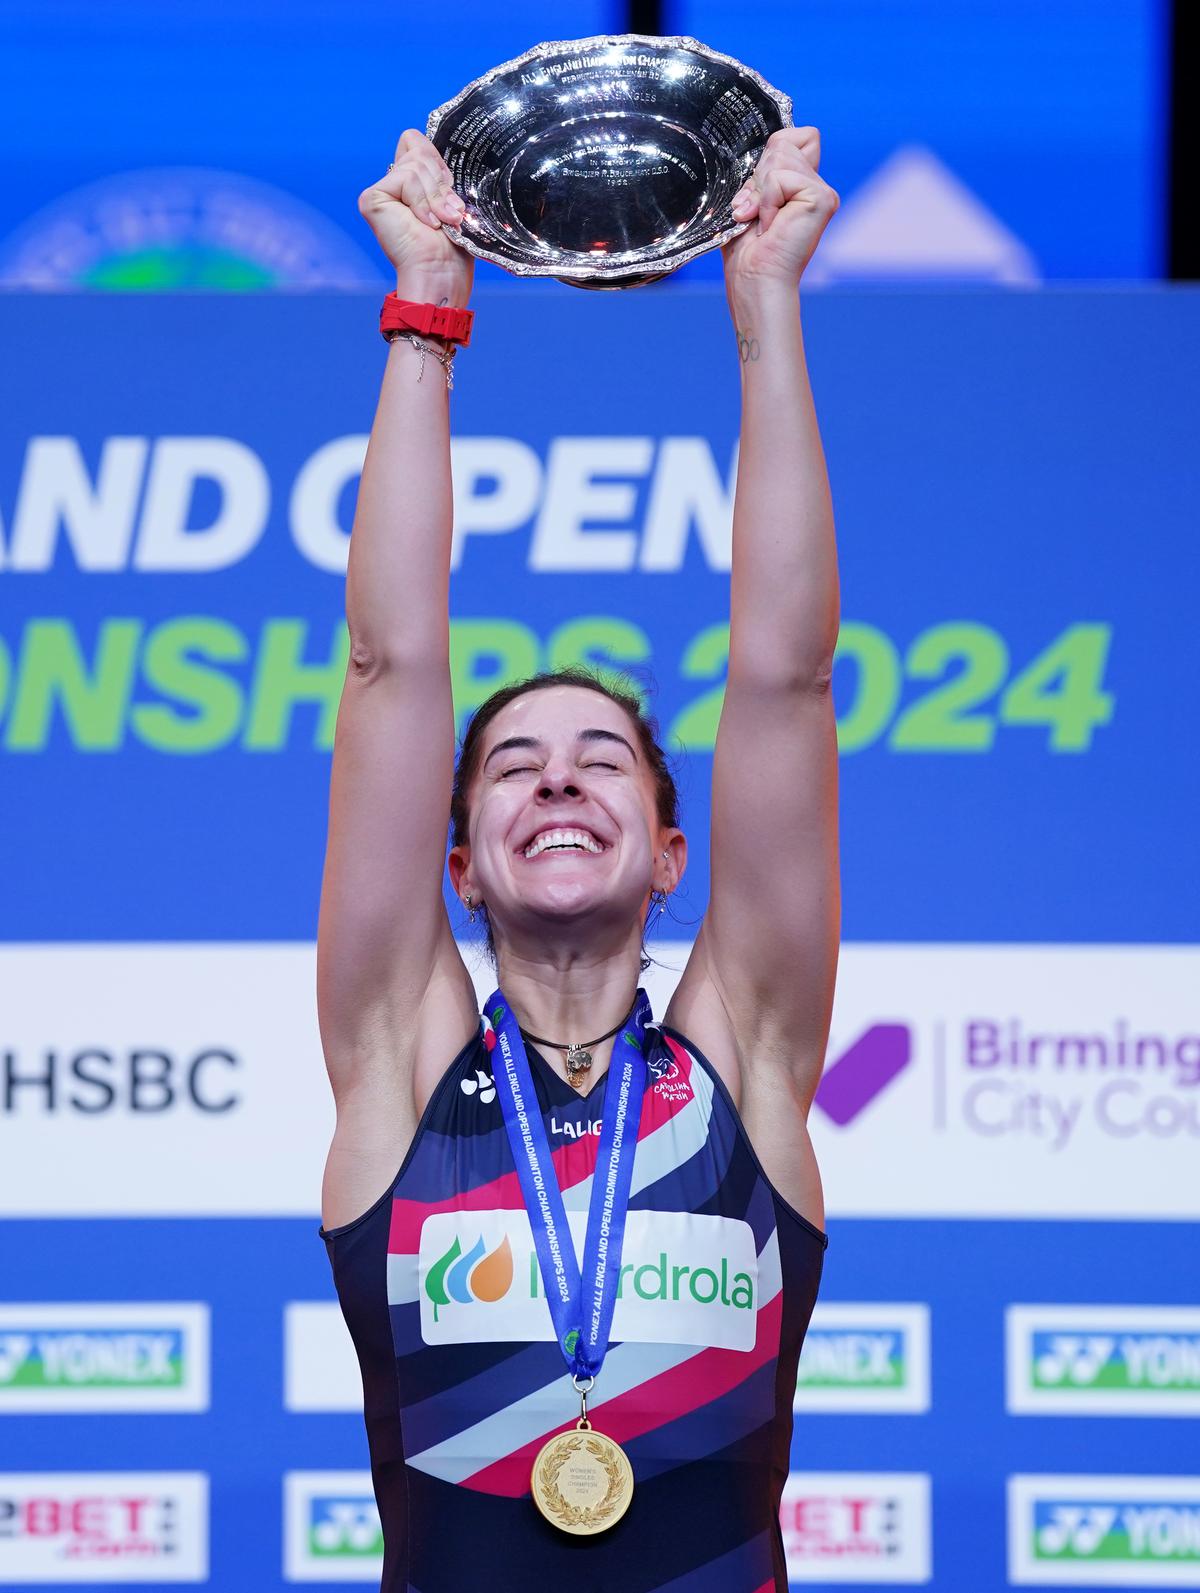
x,y
458,1278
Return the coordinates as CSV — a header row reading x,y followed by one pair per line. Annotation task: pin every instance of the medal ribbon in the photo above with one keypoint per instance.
x,y
581,1296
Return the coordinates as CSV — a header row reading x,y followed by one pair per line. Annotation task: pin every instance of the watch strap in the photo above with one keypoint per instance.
x,y
430,320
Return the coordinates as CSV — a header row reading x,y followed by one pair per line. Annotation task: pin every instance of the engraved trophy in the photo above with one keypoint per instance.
x,y
605,162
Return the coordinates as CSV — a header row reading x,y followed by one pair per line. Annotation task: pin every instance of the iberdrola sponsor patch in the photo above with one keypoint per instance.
x,y
685,1279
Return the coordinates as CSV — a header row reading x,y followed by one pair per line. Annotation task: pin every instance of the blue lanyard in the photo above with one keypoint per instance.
x,y
581,1298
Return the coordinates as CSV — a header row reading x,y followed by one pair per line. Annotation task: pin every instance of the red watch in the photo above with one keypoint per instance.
x,y
430,320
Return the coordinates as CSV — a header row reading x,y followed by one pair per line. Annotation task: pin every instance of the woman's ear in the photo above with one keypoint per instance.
x,y
672,860
458,862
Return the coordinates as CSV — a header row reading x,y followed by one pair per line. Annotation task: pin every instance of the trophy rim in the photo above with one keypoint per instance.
x,y
657,268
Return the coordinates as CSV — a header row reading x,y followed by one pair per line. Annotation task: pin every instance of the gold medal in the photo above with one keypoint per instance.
x,y
582,1482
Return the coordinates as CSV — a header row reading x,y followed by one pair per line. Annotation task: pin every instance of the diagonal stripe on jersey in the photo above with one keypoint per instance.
x,y
517,1432
529,1421
651,1404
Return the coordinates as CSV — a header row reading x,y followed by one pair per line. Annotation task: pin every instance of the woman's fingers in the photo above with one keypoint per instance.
x,y
746,200
805,141
437,179
444,203
789,160
420,179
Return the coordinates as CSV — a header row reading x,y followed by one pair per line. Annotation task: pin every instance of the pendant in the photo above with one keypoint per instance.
x,y
582,1482
578,1061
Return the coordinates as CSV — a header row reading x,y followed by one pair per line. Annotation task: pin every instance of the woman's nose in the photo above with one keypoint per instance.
x,y
558,782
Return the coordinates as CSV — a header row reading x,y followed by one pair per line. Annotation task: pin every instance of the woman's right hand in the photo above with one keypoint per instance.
x,y
406,208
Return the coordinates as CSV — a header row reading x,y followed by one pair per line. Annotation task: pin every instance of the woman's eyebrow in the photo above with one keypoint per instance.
x,y
607,735
528,742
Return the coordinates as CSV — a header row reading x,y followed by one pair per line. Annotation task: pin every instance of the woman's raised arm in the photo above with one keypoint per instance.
x,y
759,986
388,971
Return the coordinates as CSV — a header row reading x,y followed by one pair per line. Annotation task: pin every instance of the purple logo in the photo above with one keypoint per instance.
x,y
863,1070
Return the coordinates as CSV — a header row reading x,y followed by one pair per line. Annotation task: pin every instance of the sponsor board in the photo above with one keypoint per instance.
x,y
1104,1531
866,1358
159,1068
1102,1360
103,1526
685,1279
857,1526
320,1368
82,1357
331,1531
1024,1081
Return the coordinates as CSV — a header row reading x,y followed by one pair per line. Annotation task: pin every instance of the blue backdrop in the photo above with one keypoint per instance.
x,y
1014,479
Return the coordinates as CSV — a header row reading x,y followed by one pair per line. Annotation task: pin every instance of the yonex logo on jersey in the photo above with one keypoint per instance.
x,y
685,1279
477,1274
483,1083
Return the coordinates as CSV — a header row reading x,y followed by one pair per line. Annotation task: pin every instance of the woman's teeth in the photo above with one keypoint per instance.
x,y
569,840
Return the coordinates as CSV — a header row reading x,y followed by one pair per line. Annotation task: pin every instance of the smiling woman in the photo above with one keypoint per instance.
x,y
628,745
586,1287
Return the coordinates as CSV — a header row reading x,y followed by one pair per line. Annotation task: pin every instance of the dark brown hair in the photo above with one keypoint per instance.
x,y
666,796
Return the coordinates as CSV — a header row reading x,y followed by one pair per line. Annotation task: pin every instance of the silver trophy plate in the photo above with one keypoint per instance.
x,y
605,162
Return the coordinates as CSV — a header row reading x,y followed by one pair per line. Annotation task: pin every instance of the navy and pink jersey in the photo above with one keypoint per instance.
x,y
463,1382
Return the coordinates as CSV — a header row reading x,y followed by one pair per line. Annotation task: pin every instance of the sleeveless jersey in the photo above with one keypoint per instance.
x,y
463,1382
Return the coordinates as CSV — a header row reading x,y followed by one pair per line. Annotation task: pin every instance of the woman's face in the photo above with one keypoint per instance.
x,y
563,816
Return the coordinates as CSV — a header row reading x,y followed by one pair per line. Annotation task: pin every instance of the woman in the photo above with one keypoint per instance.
x,y
564,831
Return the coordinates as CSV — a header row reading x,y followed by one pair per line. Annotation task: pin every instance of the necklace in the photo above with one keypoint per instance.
x,y
579,1057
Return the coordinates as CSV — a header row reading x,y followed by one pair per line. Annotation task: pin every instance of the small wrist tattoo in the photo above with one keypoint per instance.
x,y
748,349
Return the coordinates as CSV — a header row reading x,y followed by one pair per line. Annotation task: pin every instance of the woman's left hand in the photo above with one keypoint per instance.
x,y
788,207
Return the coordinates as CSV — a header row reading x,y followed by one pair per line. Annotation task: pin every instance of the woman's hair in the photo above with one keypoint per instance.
x,y
471,751
666,796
